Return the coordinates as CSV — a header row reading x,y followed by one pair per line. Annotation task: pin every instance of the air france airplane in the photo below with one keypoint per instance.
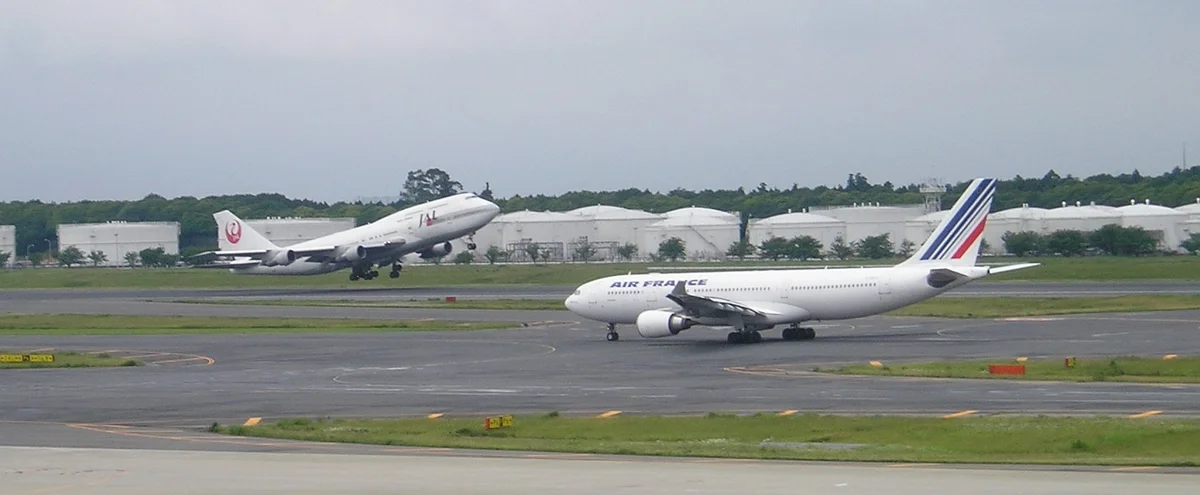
x,y
425,229
662,305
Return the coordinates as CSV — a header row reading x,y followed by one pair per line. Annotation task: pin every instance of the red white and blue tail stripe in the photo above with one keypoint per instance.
x,y
956,239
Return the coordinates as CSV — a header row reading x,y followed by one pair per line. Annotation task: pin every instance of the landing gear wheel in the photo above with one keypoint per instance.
x,y
789,334
395,273
754,337
471,246
353,277
734,337
612,337
808,334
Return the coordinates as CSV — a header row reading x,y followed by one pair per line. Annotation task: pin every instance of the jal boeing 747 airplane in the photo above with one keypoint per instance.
x,y
662,305
425,229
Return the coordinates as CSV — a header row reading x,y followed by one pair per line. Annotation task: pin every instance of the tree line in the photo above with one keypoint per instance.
x,y
36,220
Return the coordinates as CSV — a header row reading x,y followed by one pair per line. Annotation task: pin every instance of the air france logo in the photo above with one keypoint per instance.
x,y
233,232
657,283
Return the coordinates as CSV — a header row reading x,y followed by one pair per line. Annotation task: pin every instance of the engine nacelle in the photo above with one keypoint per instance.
x,y
350,254
657,323
280,257
437,251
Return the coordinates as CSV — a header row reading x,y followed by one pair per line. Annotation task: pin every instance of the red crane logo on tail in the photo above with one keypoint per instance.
x,y
233,232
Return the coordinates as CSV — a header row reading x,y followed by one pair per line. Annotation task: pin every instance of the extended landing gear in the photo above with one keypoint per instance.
x,y
612,333
798,333
395,271
744,337
361,273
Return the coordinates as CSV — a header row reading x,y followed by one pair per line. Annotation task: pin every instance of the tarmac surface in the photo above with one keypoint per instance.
x,y
563,364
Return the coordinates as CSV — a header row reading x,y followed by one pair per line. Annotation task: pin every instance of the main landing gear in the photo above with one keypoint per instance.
x,y
752,337
612,333
367,273
798,333
395,270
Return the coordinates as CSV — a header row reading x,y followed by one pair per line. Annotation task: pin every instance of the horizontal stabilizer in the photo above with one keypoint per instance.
x,y
1009,268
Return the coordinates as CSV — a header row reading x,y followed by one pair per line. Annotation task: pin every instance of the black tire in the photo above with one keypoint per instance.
x,y
394,274
613,337
734,338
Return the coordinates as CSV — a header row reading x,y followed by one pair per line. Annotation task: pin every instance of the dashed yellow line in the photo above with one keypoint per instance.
x,y
960,414
788,412
1146,414
252,422
609,414
435,415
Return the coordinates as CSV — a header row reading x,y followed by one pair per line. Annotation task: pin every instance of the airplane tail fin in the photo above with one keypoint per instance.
x,y
233,234
956,239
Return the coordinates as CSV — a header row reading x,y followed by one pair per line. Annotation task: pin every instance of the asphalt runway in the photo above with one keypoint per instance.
x,y
155,414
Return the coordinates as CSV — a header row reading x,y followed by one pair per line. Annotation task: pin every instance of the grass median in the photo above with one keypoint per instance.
x,y
1046,440
67,360
973,307
1052,269
163,325
1117,369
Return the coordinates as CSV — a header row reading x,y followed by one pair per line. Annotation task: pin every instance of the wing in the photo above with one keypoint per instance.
x,y
714,306
314,253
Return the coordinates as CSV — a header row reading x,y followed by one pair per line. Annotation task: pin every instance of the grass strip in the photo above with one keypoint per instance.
x,y
1052,269
1042,440
1117,369
974,307
1009,307
70,360
163,325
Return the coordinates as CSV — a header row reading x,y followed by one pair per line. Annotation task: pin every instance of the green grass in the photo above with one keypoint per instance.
x,y
1120,369
1008,307
161,325
71,360
972,307
1053,269
1051,440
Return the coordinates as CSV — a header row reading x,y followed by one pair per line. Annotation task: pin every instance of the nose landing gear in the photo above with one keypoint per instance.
x,y
612,333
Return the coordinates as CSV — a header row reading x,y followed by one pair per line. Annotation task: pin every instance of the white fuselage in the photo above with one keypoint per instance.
x,y
809,294
420,227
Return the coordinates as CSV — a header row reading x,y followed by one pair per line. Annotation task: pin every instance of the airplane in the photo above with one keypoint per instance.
x,y
750,301
425,229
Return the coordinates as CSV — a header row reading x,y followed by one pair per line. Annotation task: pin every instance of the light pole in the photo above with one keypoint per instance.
x,y
117,254
49,247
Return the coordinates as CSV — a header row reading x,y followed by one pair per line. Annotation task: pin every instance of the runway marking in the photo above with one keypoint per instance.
x,y
609,414
435,416
252,421
960,414
207,360
912,465
1135,468
135,356
1109,334
34,351
1146,414
1170,356
788,412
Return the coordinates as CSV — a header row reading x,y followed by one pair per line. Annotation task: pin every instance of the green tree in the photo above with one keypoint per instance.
x,y
672,249
4,257
906,248
584,252
34,259
804,247
1123,241
874,247
628,251
132,258
774,248
839,249
1022,244
97,257
70,256
740,250
533,251
494,254
1191,244
428,185
1067,243
464,258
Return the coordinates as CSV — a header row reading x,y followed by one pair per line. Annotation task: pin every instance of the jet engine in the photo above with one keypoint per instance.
x,y
437,251
280,257
350,254
657,323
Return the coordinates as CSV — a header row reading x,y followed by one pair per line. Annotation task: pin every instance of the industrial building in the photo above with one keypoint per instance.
x,y
285,231
795,224
707,233
1024,218
1080,217
117,238
8,243
869,220
552,234
1162,223
613,227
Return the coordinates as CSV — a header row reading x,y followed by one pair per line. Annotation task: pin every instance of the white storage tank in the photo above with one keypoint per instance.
x,y
8,242
1080,217
795,224
871,220
286,231
553,230
615,224
707,234
919,229
1164,224
1024,218
115,239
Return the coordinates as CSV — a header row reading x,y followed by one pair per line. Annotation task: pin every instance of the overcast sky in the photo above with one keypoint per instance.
x,y
335,100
